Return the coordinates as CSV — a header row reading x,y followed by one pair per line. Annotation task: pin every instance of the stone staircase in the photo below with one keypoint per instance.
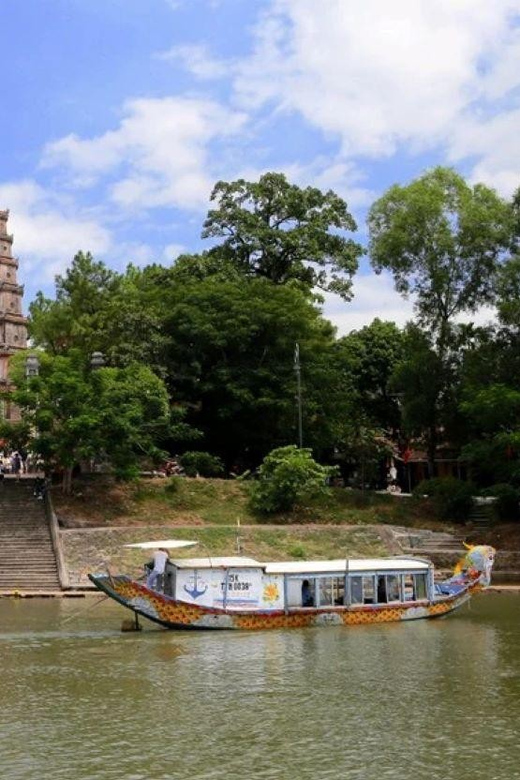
x,y
27,558
445,550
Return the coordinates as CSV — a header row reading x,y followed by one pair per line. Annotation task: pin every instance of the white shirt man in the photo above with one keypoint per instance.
x,y
159,565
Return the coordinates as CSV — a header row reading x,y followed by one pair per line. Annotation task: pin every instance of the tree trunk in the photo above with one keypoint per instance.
x,y
66,484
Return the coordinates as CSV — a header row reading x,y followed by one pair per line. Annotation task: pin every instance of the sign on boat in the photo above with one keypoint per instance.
x,y
242,593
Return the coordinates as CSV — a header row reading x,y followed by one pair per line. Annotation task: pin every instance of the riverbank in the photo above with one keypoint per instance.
x,y
102,516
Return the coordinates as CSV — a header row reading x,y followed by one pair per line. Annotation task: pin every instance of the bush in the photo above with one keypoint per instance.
x,y
452,499
506,507
287,477
202,464
172,486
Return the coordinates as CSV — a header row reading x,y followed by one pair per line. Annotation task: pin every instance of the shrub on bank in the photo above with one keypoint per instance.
x,y
452,499
288,477
201,464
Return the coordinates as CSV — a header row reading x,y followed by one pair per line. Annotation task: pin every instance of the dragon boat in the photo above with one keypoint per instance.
x,y
242,593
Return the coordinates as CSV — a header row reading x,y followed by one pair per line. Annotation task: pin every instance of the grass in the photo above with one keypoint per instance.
x,y
101,502
95,549
102,516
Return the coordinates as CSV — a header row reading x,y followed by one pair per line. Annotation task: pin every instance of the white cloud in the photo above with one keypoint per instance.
x,y
172,251
374,296
197,60
158,155
495,142
379,75
47,231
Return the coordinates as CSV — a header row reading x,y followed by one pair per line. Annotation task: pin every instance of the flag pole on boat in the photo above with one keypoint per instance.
x,y
238,541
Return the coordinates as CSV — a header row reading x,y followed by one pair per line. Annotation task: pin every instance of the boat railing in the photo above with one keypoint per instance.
x,y
165,583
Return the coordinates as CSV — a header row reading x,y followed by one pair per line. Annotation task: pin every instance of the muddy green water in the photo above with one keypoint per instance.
x,y
429,699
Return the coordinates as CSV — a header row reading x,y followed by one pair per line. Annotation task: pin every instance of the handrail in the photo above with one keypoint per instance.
x,y
63,575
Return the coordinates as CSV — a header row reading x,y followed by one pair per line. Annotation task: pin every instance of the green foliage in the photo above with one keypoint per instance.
x,y
508,292
76,318
495,408
441,239
172,486
219,328
452,498
17,434
230,362
427,383
119,415
368,358
283,233
362,447
201,464
298,552
492,453
288,477
506,508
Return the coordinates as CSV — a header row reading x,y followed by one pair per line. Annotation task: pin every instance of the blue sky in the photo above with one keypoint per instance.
x,y
119,115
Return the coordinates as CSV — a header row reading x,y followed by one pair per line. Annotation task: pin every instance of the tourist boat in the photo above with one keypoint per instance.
x,y
242,593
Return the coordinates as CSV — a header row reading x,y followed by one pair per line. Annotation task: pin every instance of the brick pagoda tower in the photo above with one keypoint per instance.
x,y
13,325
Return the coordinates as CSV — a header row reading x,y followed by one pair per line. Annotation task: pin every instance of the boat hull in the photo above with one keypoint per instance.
x,y
174,614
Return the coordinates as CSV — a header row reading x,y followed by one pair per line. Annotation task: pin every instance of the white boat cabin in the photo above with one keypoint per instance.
x,y
243,583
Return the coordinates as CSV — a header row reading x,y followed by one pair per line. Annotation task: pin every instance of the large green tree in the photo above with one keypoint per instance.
x,y
231,363
119,415
284,233
75,317
442,241
96,309
368,358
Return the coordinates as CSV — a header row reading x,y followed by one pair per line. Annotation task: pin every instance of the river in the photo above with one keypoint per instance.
x,y
426,699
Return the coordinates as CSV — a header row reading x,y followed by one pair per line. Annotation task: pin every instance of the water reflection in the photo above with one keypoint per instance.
x,y
81,699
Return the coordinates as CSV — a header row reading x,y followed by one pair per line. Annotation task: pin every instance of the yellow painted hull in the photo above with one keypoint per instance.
x,y
174,614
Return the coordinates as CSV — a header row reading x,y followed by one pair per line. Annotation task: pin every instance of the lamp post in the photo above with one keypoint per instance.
x,y
97,360
32,366
297,368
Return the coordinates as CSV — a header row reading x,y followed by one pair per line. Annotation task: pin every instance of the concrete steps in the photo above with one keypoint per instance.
x,y
27,559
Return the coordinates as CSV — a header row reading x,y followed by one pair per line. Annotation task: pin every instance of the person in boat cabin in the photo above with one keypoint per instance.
x,y
307,597
160,557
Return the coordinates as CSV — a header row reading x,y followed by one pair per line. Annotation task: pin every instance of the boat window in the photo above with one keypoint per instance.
x,y
381,590
362,589
409,587
388,588
331,591
369,595
420,586
393,591
356,590
308,592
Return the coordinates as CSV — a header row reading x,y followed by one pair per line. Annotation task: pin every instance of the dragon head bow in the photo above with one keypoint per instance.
x,y
477,563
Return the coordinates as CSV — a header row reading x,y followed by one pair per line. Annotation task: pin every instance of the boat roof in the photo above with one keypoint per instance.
x,y
347,564
165,543
306,567
216,562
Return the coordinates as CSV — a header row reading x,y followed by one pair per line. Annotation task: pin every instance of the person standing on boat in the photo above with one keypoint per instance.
x,y
160,557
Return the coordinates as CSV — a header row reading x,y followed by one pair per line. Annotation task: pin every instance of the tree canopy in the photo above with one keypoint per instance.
x,y
284,233
111,414
199,355
442,241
